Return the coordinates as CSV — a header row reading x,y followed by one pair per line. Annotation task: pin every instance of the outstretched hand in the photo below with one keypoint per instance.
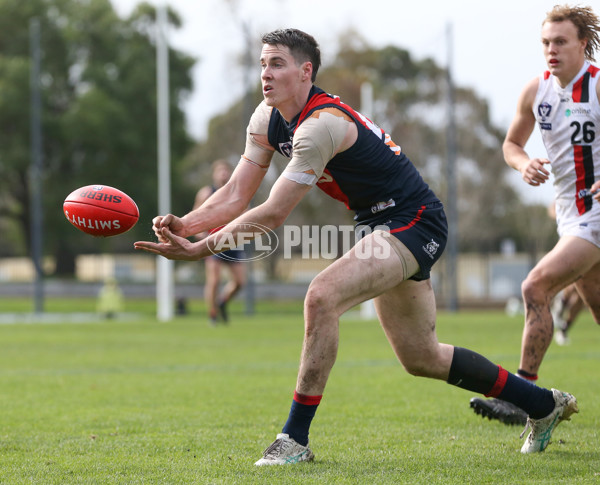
x,y
170,245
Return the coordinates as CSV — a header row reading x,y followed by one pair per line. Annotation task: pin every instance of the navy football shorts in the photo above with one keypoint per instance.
x,y
231,256
424,231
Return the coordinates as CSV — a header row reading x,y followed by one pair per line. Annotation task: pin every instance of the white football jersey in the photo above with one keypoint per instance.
x,y
569,120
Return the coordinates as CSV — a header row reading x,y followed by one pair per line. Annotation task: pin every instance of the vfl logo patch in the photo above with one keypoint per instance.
x,y
286,149
544,110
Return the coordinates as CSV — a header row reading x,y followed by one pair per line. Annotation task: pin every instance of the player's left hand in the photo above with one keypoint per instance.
x,y
171,246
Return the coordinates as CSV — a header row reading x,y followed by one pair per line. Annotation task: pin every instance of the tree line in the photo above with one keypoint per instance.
x,y
98,84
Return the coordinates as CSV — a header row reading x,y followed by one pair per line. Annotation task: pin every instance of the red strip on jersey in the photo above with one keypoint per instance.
x,y
323,100
579,89
411,223
328,185
580,173
546,75
584,171
499,384
315,101
307,400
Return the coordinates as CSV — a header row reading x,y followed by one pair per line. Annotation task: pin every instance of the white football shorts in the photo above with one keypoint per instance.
x,y
586,226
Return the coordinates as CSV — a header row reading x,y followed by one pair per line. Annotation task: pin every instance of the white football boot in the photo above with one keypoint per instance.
x,y
541,429
284,451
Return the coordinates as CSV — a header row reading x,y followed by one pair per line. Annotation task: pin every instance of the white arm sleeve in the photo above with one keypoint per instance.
x,y
258,150
301,177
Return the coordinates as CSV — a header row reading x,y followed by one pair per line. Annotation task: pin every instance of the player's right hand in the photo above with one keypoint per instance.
x,y
173,223
534,173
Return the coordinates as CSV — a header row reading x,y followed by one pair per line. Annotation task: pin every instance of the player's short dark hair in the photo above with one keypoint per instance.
x,y
302,46
586,22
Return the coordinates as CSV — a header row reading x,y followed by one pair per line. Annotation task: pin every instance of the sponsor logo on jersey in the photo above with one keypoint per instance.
x,y
578,111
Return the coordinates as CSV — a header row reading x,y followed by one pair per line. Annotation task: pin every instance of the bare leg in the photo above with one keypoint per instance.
x,y
406,309
236,283
588,288
570,259
574,305
211,286
408,314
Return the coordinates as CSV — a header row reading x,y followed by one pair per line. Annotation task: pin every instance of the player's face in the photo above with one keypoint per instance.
x,y
563,50
282,79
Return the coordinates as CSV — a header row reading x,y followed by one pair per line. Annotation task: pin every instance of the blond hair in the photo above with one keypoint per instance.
x,y
586,22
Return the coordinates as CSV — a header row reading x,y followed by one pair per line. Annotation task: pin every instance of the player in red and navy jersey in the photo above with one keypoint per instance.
x,y
337,149
372,177
564,103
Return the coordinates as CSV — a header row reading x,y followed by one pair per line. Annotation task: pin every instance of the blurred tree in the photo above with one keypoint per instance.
x,y
98,115
410,105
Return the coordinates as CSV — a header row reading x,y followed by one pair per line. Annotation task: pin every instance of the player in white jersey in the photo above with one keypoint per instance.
x,y
569,120
564,103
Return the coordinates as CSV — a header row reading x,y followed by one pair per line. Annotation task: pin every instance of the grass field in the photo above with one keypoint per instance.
x,y
143,402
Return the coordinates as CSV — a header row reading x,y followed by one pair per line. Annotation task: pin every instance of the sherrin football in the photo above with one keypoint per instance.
x,y
101,210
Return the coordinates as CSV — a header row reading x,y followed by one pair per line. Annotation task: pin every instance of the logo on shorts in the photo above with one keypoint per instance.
x,y
381,206
431,248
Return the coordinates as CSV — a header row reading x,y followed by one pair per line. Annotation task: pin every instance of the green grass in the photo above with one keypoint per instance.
x,y
143,402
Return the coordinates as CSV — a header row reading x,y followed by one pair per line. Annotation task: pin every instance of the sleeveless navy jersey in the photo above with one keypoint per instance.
x,y
369,177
